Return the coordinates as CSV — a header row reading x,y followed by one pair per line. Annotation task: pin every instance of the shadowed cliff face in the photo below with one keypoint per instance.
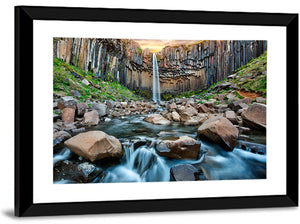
x,y
182,68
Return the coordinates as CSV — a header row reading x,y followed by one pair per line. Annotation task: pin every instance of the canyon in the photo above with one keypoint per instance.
x,y
181,68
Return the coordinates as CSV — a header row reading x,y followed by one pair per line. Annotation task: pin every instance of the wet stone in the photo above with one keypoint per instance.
x,y
184,172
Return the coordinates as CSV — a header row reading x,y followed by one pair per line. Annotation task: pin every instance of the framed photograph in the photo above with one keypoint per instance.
x,y
122,110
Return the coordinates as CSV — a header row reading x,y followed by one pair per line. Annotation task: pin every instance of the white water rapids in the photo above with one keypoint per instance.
x,y
144,164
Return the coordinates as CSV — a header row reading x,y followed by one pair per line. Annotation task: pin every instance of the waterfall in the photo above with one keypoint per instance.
x,y
156,86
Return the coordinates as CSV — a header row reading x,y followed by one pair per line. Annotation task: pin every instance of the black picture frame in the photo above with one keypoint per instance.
x,y
24,17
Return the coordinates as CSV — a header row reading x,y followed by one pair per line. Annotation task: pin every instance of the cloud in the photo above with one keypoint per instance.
x,y
158,45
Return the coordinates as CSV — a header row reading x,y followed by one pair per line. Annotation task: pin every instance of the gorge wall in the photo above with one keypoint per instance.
x,y
182,68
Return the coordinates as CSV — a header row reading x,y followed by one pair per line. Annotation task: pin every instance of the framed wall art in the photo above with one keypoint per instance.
x,y
122,110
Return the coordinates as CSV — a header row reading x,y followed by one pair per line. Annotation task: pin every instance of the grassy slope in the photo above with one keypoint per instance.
x,y
250,77
64,82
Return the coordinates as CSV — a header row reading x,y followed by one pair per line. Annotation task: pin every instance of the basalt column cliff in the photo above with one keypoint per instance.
x,y
181,68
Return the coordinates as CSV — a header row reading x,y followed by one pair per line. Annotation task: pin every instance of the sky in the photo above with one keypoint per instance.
x,y
158,45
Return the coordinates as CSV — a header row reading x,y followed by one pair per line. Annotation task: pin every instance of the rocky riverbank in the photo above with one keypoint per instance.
x,y
213,134
226,125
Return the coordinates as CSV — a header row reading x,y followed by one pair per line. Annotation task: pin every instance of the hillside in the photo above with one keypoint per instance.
x,y
249,81
69,80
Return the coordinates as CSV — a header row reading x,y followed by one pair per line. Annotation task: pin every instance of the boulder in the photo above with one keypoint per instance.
x,y
237,105
101,108
202,108
191,102
116,114
164,113
95,145
124,104
195,120
139,142
260,100
111,104
240,111
69,126
252,147
78,130
247,100
219,130
172,106
91,118
182,100
157,119
88,171
78,172
183,172
66,102
168,116
175,116
85,82
221,108
230,115
183,148
81,109
59,138
187,112
76,93
68,115
231,97
255,116
210,104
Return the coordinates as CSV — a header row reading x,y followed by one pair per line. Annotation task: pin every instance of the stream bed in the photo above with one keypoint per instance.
x,y
141,163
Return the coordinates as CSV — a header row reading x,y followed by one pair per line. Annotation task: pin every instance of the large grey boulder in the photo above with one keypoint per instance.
x,y
59,138
81,109
66,102
183,172
101,108
230,115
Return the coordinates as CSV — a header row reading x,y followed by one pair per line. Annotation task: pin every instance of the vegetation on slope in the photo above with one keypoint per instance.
x,y
68,78
250,78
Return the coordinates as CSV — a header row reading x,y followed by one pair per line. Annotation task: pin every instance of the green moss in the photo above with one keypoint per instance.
x,y
208,97
167,97
238,95
142,93
64,82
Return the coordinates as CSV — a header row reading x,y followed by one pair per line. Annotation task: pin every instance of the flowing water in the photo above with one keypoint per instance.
x,y
156,85
141,163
